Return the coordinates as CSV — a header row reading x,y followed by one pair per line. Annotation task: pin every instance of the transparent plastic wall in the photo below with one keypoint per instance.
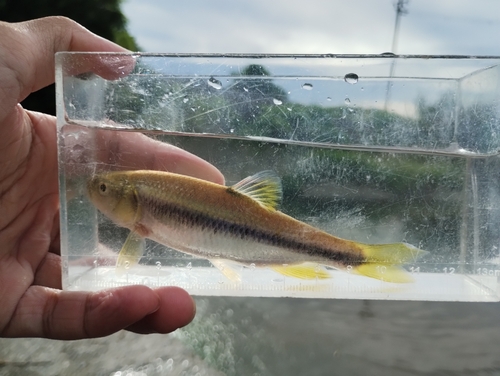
x,y
374,149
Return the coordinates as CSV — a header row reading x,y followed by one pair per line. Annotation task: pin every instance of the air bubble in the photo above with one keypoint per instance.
x,y
328,99
158,265
307,86
351,78
215,83
252,266
277,101
189,266
185,100
347,101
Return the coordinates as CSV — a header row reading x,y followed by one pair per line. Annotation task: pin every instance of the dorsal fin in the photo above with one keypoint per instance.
x,y
263,187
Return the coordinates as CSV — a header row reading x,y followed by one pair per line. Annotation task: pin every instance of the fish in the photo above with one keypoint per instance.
x,y
238,224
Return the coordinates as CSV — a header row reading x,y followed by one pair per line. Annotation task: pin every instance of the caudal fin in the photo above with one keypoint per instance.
x,y
383,261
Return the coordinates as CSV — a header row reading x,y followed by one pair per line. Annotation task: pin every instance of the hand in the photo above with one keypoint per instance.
x,y
32,304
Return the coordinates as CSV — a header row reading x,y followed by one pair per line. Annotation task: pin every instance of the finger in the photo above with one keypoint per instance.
x,y
129,151
135,151
49,313
177,309
48,272
27,49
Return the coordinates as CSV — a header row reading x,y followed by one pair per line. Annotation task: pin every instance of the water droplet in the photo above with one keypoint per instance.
x,y
351,78
215,83
189,266
158,265
252,266
244,88
231,130
185,100
347,101
185,363
229,313
277,101
328,99
307,86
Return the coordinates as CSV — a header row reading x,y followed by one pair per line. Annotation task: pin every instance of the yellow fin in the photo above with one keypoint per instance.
x,y
131,252
383,260
394,253
302,271
386,273
225,269
263,187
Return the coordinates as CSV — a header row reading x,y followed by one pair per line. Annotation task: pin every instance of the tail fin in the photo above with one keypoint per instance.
x,y
383,261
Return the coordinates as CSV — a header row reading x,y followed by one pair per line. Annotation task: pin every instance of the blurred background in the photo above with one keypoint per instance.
x,y
251,336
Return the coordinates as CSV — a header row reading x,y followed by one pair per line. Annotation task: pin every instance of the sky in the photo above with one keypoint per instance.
x,y
430,27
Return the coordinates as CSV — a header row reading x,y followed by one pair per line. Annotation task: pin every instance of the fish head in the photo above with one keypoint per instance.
x,y
114,196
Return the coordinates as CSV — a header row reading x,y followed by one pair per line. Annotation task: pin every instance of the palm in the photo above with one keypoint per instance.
x,y
32,302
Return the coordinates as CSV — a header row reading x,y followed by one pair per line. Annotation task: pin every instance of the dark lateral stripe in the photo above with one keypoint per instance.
x,y
161,211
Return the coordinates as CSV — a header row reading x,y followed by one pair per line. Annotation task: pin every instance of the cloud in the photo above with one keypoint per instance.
x,y
293,26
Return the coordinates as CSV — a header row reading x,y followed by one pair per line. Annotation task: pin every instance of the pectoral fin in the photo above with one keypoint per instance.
x,y
131,252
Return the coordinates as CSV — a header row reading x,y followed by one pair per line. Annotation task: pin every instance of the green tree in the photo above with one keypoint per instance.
x,y
102,17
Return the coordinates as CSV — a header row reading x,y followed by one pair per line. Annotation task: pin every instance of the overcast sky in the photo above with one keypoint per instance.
x,y
470,27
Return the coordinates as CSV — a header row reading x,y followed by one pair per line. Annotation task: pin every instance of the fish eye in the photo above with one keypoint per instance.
x,y
103,188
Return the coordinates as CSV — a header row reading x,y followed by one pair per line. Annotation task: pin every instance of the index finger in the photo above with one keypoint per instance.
x,y
45,37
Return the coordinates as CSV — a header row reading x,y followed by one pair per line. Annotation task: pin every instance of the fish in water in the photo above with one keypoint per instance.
x,y
238,224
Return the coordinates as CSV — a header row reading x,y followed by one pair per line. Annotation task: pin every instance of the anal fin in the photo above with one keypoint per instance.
x,y
303,271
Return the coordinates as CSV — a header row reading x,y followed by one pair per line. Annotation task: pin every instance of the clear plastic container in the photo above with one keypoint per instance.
x,y
375,149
